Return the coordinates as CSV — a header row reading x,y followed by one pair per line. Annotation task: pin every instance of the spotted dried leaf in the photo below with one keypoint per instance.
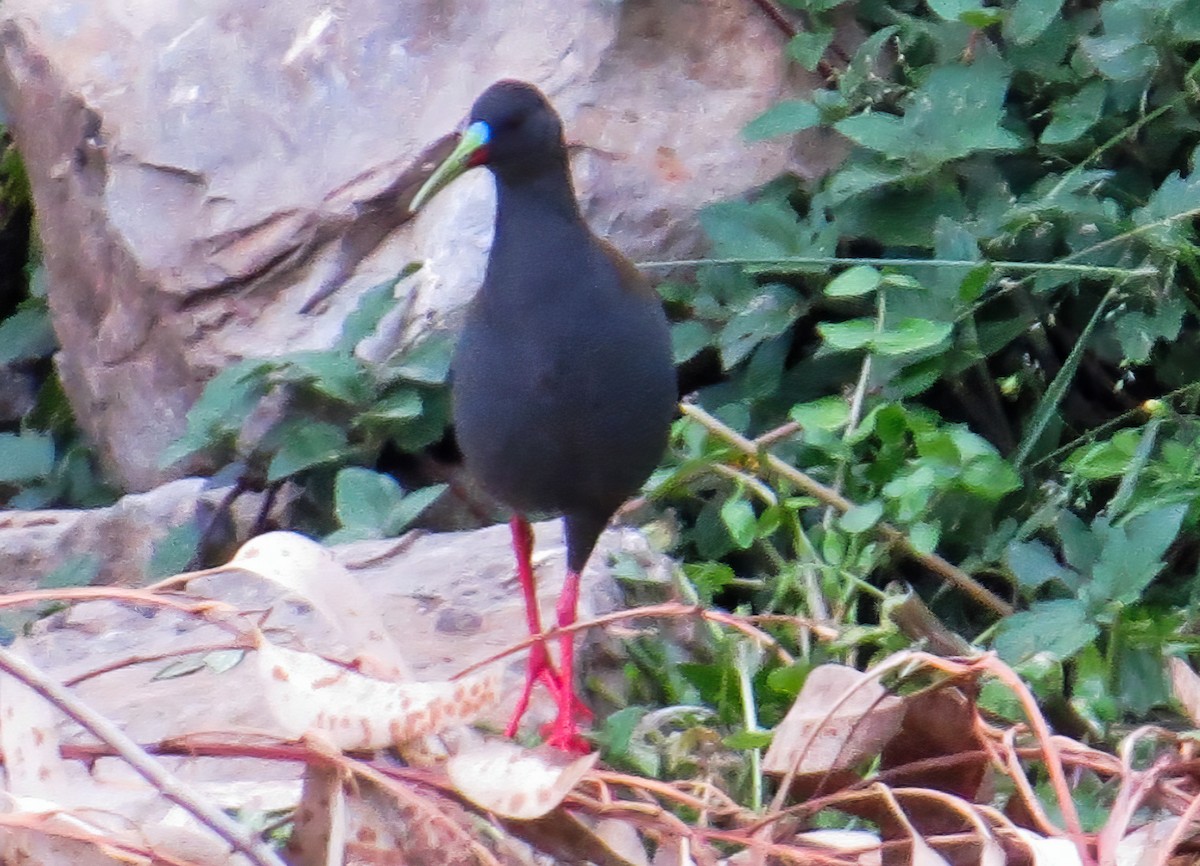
x,y
309,570
513,782
309,695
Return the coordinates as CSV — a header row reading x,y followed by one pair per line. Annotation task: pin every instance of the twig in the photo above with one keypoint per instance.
x,y
234,834
890,534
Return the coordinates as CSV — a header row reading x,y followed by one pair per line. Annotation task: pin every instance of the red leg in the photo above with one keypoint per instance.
x,y
564,733
540,667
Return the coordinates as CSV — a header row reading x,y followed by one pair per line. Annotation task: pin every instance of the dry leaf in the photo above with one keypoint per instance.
x,y
309,570
309,695
1051,851
860,842
514,782
860,726
1185,685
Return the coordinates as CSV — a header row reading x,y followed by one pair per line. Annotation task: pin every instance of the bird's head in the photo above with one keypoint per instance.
x,y
512,130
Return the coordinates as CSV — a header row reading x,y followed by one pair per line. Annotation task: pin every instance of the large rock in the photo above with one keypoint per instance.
x,y
201,170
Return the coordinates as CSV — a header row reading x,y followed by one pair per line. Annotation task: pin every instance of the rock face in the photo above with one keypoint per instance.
x,y
201,170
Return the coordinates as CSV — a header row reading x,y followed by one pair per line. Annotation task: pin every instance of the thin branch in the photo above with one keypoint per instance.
x,y
890,534
234,834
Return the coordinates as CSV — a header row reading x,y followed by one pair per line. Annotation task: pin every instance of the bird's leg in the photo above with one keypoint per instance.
x,y
540,667
564,732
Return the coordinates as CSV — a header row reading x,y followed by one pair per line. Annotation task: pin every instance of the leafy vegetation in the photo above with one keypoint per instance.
x,y
965,362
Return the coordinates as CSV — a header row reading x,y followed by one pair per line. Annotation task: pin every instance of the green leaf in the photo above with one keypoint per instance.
x,y
955,113
847,336
175,550
688,339
1166,219
402,405
764,229
27,335
363,500
372,306
1058,628
1132,554
854,282
911,335
306,444
1075,114
825,413
768,315
77,570
953,10
783,118
427,363
789,680
709,578
410,508
738,516
333,374
1029,19
862,517
1033,563
808,47
227,399
25,457
746,740
924,536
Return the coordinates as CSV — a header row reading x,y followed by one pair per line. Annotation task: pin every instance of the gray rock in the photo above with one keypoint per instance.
x,y
112,545
200,171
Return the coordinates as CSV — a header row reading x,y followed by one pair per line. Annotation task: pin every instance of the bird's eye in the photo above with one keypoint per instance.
x,y
511,122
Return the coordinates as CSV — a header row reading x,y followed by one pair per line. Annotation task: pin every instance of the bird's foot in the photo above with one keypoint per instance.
x,y
563,732
540,669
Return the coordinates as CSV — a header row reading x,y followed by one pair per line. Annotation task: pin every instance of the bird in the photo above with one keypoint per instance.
x,y
563,388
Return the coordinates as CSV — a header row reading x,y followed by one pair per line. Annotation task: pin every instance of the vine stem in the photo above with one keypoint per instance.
x,y
894,537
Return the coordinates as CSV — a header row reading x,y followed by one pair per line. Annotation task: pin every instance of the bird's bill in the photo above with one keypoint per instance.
x,y
470,152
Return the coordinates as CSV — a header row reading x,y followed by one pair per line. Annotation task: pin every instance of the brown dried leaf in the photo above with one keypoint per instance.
x,y
309,695
860,726
513,782
1185,685
319,825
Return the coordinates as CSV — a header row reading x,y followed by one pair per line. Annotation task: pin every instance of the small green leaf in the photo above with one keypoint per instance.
x,y
363,499
402,405
860,518
27,335
25,457
411,506
783,118
1029,19
219,661
1075,114
709,578
306,444
808,47
1033,563
372,306
175,550
924,537
825,413
738,516
789,680
1059,628
854,282
746,740
78,570
911,335
335,375
849,335
688,339
427,363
